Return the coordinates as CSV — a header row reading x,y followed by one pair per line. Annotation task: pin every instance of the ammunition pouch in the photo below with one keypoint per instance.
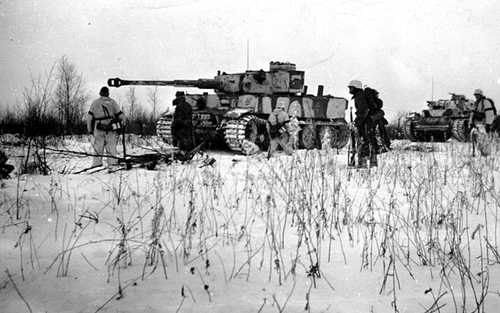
x,y
479,116
113,125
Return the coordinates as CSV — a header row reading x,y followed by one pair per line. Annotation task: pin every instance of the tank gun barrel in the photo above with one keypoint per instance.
x,y
196,83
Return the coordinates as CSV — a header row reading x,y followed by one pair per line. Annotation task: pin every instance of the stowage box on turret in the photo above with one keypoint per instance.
x,y
242,102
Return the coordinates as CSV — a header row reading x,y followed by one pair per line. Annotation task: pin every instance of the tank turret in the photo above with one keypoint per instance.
x,y
282,78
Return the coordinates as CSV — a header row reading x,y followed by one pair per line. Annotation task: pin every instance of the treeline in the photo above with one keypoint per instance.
x,y
56,104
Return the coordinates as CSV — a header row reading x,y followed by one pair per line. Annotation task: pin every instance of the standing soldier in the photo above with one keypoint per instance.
x,y
377,116
293,130
278,130
484,110
104,119
364,125
182,128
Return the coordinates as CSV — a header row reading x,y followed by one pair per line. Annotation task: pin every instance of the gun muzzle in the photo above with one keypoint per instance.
x,y
114,82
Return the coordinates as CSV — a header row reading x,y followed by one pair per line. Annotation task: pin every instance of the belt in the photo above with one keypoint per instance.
x,y
103,118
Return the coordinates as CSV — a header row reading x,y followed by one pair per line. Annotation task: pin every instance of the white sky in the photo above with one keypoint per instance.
x,y
394,46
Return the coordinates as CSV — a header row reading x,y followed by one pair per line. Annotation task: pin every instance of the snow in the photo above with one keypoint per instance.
x,y
250,229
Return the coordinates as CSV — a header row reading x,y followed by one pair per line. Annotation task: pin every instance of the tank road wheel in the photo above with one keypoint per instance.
x,y
307,137
341,136
164,129
408,130
250,128
460,130
337,135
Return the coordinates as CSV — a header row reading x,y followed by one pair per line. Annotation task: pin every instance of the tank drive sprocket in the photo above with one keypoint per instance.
x,y
248,127
408,130
460,130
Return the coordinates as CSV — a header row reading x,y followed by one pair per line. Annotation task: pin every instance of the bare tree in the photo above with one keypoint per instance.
x,y
36,100
133,103
153,100
70,95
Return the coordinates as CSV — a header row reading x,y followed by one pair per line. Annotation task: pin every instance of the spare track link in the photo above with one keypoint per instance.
x,y
164,129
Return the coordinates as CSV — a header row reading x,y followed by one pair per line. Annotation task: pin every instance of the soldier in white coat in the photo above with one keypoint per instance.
x,y
104,120
484,110
278,128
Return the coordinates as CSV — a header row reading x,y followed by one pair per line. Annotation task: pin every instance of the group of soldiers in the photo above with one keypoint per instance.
x,y
105,119
283,129
369,125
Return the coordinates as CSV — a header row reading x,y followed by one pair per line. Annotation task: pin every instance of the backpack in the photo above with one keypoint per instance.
x,y
374,102
493,106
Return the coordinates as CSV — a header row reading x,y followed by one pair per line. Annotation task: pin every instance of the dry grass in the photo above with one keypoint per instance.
x,y
419,216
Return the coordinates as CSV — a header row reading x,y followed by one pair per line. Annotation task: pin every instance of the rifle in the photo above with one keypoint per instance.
x,y
187,156
351,154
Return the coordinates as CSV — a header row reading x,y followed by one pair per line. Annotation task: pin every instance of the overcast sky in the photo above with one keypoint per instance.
x,y
394,46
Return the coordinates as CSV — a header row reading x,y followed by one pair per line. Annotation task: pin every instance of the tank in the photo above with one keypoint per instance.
x,y
238,108
443,119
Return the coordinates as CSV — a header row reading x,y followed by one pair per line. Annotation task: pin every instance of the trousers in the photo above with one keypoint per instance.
x,y
280,141
105,140
367,140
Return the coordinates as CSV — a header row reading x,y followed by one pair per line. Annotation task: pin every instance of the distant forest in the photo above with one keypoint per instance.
x,y
56,104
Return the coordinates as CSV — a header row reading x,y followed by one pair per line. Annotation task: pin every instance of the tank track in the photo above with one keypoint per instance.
x,y
164,129
408,130
237,130
460,130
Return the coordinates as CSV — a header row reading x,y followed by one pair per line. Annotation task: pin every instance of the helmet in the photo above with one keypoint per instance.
x,y
478,92
104,92
356,84
179,93
280,105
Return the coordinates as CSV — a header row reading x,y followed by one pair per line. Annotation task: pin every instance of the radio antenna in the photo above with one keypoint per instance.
x,y
248,54
432,88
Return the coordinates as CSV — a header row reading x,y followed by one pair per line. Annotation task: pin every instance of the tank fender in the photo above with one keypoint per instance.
x,y
237,113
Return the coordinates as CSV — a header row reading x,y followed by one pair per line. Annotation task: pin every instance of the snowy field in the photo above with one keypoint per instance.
x,y
300,233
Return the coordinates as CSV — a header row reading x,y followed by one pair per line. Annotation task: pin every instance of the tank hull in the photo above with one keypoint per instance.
x,y
227,121
426,128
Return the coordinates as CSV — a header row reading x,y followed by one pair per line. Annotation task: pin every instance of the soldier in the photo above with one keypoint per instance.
x,y
293,131
364,125
484,110
182,128
104,119
5,169
278,123
377,115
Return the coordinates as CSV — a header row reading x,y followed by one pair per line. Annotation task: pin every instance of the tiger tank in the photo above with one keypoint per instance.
x,y
442,120
240,104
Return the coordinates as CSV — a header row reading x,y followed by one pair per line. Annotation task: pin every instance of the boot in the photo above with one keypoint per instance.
x,y
362,162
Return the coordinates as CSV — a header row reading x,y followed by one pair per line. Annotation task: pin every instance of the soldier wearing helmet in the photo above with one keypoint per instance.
x,y
182,126
484,110
278,130
367,147
104,119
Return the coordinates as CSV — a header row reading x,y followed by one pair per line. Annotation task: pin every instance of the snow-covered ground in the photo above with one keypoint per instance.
x,y
300,233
